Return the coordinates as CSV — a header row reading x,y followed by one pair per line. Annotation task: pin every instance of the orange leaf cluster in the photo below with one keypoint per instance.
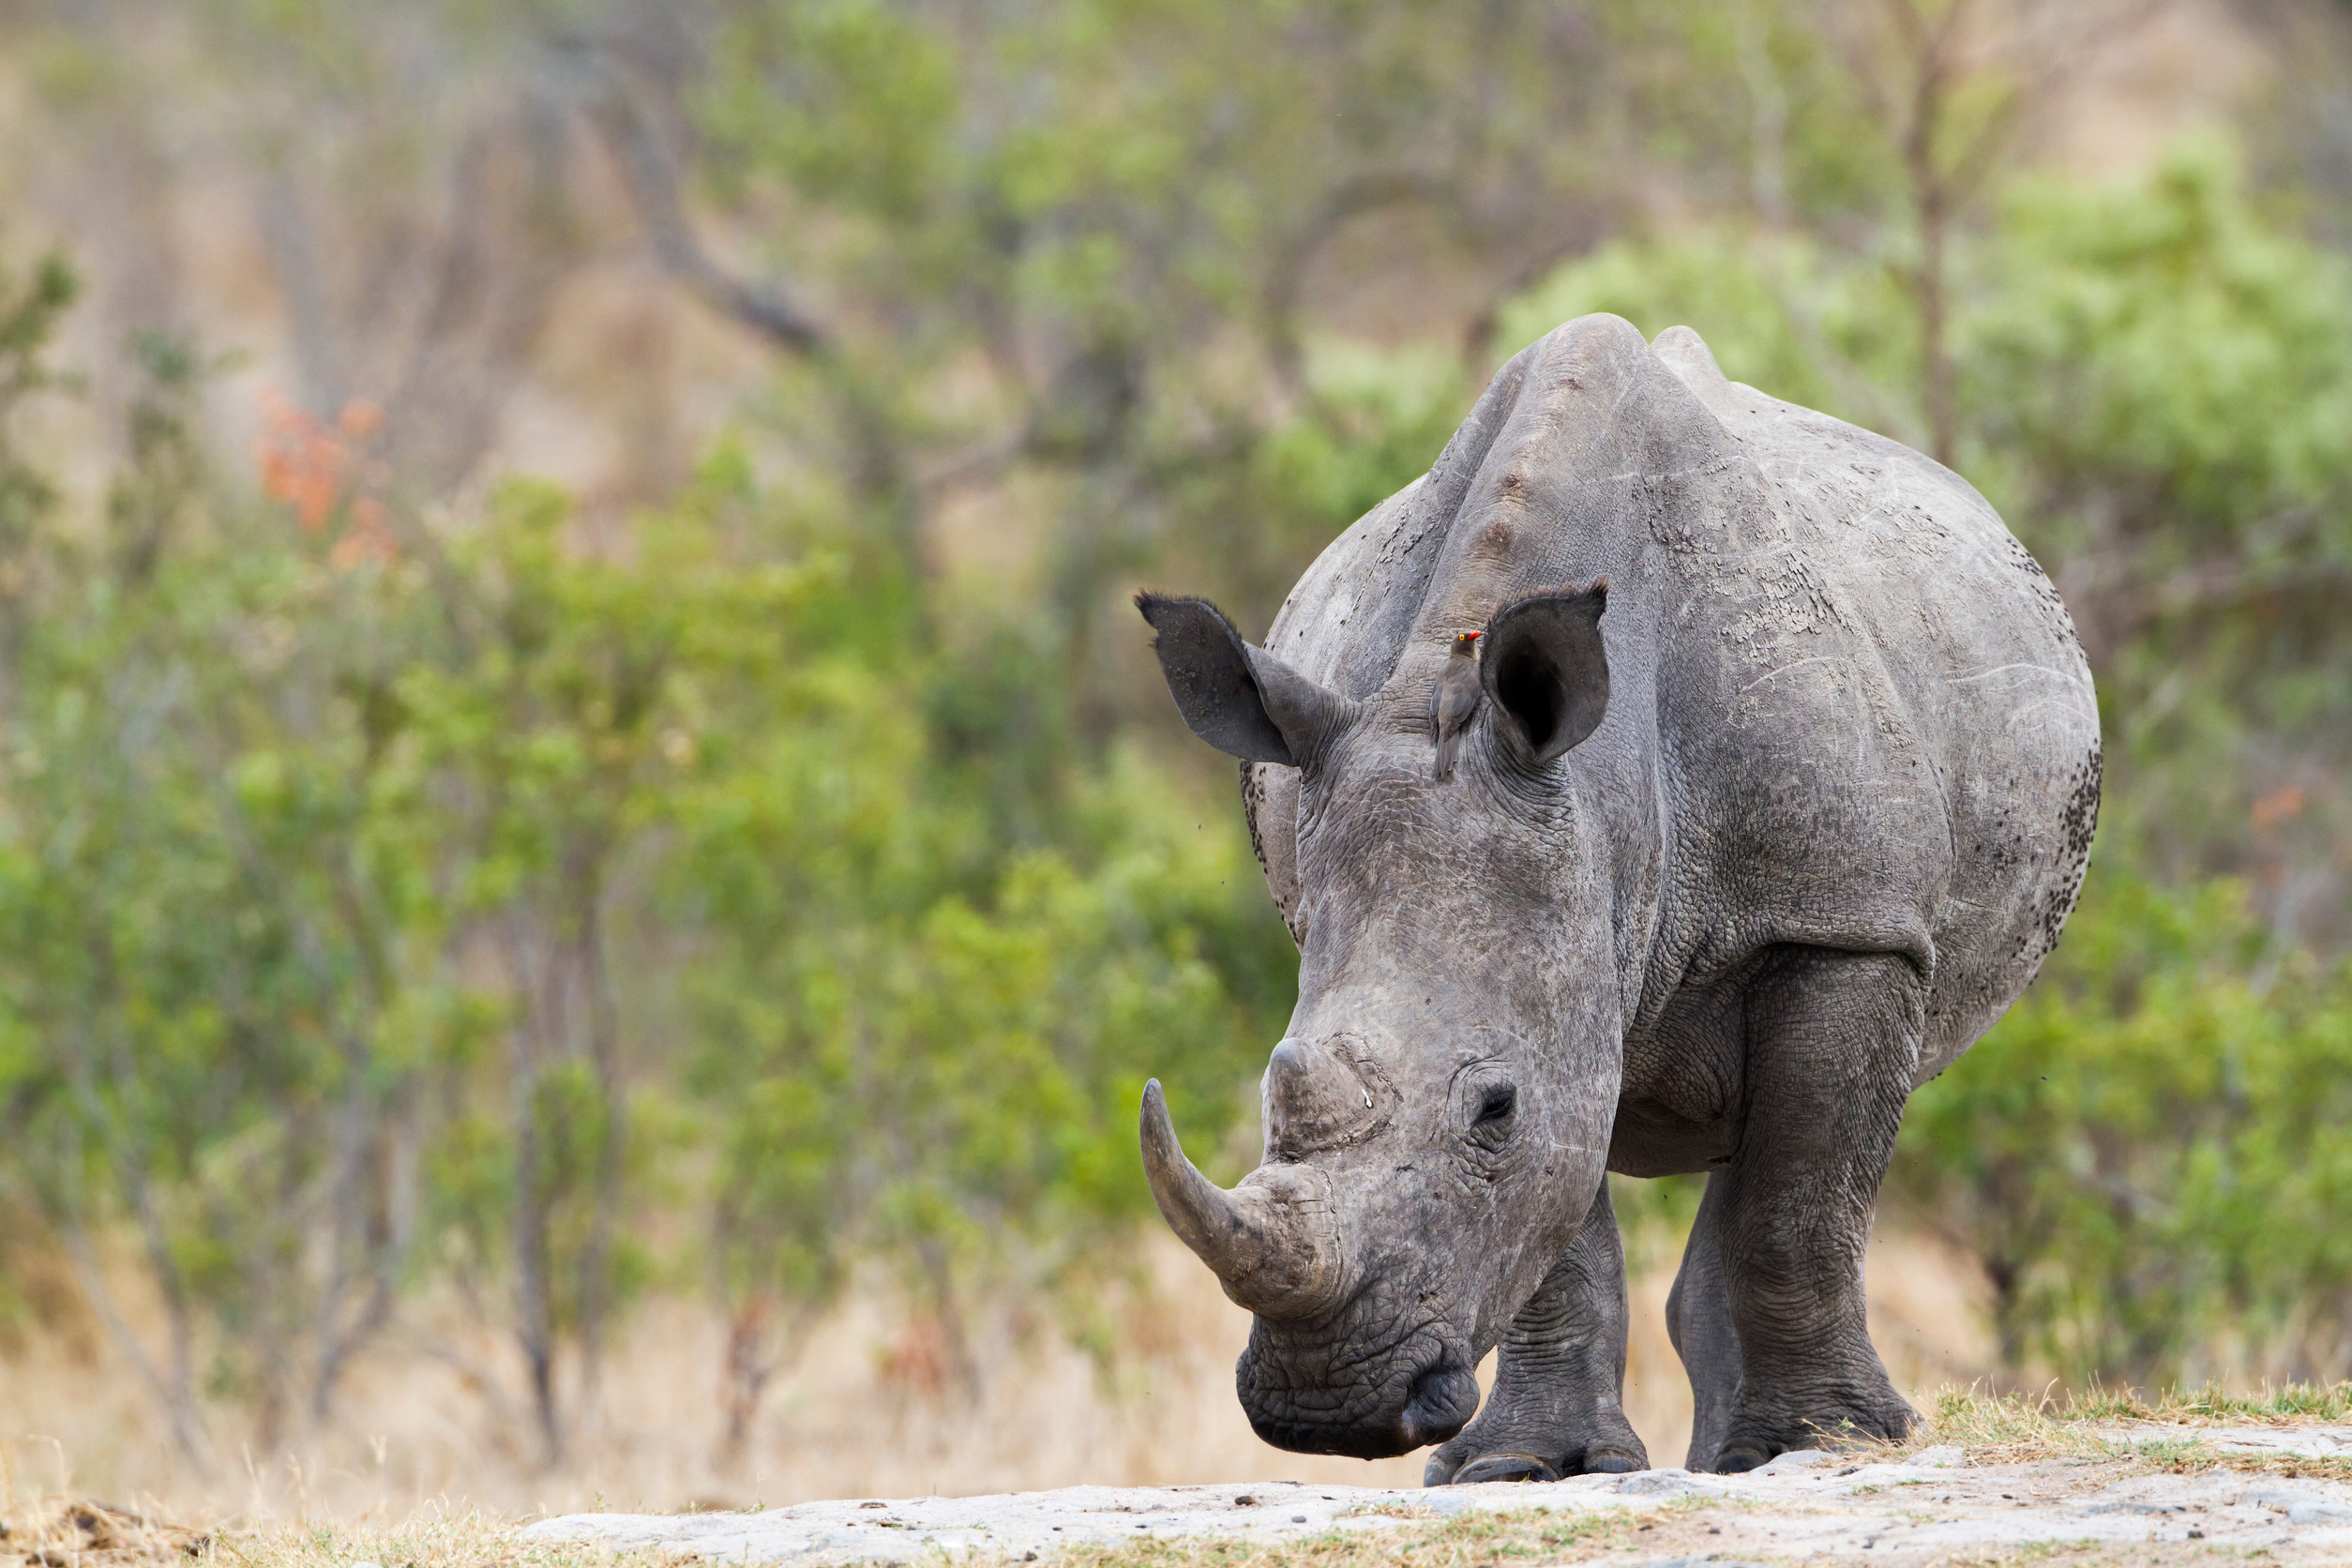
x,y
321,471
2274,807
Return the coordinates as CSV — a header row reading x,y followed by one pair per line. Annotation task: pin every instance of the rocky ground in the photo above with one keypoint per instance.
x,y
2139,1492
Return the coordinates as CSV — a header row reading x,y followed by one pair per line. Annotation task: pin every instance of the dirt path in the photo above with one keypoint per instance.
x,y
2144,1493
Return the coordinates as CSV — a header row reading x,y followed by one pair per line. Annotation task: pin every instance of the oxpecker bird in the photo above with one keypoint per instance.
x,y
1455,701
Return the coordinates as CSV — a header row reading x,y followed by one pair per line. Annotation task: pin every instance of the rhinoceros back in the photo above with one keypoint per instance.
x,y
1867,708
1983,666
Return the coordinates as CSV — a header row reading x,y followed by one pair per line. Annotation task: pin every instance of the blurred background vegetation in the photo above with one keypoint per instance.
x,y
569,734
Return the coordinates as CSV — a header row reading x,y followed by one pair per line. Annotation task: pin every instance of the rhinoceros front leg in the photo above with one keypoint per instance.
x,y
1557,1409
1831,1040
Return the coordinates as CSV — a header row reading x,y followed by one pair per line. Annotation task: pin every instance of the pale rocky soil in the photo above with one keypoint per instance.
x,y
2156,1494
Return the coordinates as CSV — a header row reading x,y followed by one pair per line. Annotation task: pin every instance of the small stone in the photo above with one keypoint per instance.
x,y
1298,1519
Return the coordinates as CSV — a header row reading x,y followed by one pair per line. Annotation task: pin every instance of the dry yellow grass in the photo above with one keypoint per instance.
x,y
2006,1430
62,1534
2018,1429
433,1538
857,1416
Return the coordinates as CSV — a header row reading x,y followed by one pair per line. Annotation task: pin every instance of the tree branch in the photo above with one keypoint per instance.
x,y
650,174
179,1409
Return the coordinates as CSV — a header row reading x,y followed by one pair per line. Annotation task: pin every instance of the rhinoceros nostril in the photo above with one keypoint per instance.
x,y
1443,1399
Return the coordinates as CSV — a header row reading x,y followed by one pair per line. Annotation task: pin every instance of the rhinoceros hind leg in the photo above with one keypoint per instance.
x,y
1831,1040
1698,1320
1557,1407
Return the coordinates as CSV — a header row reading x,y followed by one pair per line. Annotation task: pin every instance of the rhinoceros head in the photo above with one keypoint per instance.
x,y
1437,1114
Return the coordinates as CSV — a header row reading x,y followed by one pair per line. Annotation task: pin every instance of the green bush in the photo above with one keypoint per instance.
x,y
381,906
2152,1152
2156,388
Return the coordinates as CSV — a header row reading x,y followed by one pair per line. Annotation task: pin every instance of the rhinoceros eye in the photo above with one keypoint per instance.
x,y
1498,1101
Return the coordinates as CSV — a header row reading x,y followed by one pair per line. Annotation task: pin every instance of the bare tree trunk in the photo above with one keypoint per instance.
x,y
346,1211
170,1283
604,1055
648,170
512,237
1767,115
294,254
271,1264
1946,165
1932,201
1934,346
378,1233
748,1368
962,1367
171,1390
356,1252
535,1308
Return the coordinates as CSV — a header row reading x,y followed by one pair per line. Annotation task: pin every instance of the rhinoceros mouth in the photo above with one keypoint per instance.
x,y
1315,1395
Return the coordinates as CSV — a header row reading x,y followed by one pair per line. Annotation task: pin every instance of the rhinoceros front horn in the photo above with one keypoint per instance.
x,y
1272,1241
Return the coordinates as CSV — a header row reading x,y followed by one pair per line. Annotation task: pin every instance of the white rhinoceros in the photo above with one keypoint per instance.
x,y
1781,787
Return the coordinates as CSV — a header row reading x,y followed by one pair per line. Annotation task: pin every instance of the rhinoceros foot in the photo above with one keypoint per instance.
x,y
1504,1466
1555,1411
1756,1439
1611,1449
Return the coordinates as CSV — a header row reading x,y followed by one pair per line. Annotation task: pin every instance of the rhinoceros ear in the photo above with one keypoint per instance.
x,y
1241,700
1544,670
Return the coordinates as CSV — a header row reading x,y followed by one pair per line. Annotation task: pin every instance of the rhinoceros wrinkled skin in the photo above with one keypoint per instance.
x,y
1833,809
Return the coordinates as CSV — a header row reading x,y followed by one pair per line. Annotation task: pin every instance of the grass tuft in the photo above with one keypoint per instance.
x,y
71,1534
58,1531
2012,1429
452,1539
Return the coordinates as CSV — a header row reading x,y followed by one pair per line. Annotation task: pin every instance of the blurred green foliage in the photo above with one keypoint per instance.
x,y
400,896
2147,1153
309,856
2155,386
2152,1153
